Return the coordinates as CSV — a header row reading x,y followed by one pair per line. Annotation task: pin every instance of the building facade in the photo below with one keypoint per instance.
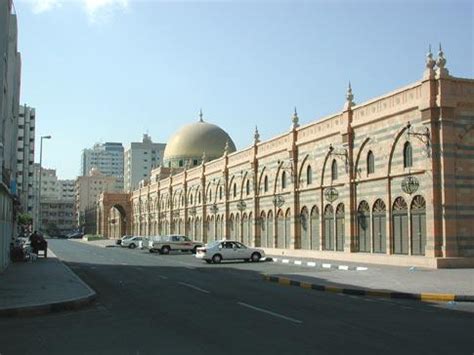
x,y
106,158
387,181
87,190
10,74
139,159
26,158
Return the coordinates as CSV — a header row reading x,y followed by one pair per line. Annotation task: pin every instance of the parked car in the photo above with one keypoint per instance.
x,y
75,235
119,241
133,242
168,243
219,250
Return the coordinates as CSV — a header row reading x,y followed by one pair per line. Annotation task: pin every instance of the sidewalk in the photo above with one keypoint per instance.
x,y
43,286
104,243
383,281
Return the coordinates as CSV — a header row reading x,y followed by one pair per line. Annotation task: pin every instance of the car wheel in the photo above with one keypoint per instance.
x,y
165,250
208,261
132,246
216,259
255,257
194,250
152,250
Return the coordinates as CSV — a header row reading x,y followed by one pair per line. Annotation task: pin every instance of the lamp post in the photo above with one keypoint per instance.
x,y
39,183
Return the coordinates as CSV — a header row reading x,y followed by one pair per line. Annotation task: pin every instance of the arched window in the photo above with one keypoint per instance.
x,y
309,175
370,163
199,197
235,190
220,192
283,180
191,199
265,184
247,187
334,170
407,155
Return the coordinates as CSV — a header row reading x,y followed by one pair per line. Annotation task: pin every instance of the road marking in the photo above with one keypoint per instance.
x,y
311,263
194,287
163,277
343,267
361,268
270,313
297,262
285,261
326,266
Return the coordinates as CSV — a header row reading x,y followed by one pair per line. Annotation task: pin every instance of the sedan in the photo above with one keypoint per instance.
x,y
220,250
119,241
132,242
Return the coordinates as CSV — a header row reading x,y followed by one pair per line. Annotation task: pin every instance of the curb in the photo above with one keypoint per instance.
x,y
423,297
42,309
313,264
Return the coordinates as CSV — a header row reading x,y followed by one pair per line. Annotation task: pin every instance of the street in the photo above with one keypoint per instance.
x,y
174,304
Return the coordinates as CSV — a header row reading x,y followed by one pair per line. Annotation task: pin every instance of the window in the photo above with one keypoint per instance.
x,y
407,155
283,180
235,190
334,170
180,163
370,163
220,193
247,187
265,184
195,162
309,175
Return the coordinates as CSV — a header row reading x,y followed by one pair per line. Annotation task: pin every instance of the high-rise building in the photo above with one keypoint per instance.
x,y
25,158
139,159
10,73
106,158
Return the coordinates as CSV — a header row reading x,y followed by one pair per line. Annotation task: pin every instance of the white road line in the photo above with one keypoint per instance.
x,y
275,259
326,266
311,263
194,287
298,262
343,267
285,261
361,268
162,277
270,313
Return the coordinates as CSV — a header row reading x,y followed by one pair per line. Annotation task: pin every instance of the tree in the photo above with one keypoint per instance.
x,y
25,219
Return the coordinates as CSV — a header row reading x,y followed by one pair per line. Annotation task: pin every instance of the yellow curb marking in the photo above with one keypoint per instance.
x,y
443,297
333,289
284,281
305,285
382,294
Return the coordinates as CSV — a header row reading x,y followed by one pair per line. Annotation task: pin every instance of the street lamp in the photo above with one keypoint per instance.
x,y
39,187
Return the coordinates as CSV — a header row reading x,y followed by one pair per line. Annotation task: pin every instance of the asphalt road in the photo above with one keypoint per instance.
x,y
175,304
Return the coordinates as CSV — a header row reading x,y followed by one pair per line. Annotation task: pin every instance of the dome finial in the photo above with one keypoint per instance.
x,y
430,63
200,115
295,119
441,63
349,97
204,158
256,136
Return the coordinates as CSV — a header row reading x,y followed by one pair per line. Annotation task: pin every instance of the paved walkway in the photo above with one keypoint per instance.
x,y
42,286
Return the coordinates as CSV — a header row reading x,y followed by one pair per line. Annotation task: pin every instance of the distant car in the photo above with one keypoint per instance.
x,y
75,235
219,250
119,241
168,243
133,242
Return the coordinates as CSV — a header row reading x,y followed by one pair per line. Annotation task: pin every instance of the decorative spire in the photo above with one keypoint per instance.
x,y
295,120
200,115
349,98
430,62
204,158
256,136
441,63
226,148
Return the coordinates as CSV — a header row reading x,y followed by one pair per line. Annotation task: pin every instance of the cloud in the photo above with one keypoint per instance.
x,y
40,6
96,10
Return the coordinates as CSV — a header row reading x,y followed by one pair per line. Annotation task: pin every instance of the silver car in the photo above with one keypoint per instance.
x,y
219,250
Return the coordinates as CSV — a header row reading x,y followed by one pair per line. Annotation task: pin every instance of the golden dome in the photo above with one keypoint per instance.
x,y
190,142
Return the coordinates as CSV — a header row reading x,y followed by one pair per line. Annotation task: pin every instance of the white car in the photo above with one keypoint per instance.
x,y
220,250
133,242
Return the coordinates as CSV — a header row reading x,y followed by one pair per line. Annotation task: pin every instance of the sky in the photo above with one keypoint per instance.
x,y
112,70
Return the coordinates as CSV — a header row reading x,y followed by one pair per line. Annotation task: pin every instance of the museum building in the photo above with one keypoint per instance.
x,y
387,181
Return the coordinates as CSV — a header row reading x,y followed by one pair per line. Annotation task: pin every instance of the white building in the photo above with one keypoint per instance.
x,y
106,158
140,159
25,158
10,73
